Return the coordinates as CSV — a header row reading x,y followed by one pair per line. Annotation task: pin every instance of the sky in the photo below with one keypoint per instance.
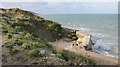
x,y
65,7
60,0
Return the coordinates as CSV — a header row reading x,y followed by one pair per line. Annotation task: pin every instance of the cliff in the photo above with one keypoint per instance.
x,y
33,40
26,38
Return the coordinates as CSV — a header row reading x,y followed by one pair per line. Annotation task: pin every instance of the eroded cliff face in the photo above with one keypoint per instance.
x,y
25,40
45,29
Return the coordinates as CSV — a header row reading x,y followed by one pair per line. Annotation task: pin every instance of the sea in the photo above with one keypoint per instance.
x,y
102,27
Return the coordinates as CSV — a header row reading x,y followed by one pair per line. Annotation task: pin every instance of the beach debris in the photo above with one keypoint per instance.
x,y
80,39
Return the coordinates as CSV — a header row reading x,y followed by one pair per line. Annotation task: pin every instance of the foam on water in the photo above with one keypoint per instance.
x,y
101,48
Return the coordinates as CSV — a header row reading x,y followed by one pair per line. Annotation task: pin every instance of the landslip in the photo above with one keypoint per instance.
x,y
29,39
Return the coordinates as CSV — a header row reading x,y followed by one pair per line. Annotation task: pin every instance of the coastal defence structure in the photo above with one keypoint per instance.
x,y
83,39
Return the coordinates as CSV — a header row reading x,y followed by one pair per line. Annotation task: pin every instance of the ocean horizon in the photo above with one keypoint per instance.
x,y
103,28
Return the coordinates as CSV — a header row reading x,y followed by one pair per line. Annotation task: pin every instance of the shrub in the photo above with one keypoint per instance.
x,y
17,28
9,35
55,27
28,36
24,45
60,56
4,27
14,51
68,56
18,41
34,62
58,32
34,53
9,46
33,45
37,44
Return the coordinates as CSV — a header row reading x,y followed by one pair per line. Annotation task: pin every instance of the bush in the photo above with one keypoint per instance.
x,y
34,53
58,32
4,27
9,35
60,56
18,41
55,27
34,62
14,51
7,28
69,56
9,46
28,36
24,45
17,28
33,45
37,44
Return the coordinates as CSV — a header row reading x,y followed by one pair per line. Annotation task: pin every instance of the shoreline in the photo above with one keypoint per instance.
x,y
109,54
98,58
41,32
105,34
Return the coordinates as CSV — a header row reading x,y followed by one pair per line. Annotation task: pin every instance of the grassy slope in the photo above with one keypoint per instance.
x,y
25,38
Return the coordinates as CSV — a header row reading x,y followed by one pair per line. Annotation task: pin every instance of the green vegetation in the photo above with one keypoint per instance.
x,y
17,28
70,57
9,46
55,27
18,41
28,36
60,56
34,52
6,28
9,35
33,45
24,29
12,51
34,62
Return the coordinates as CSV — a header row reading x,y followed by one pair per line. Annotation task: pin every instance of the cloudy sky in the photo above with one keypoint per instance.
x,y
65,7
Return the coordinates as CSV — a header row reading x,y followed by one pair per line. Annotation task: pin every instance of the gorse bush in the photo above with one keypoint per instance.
x,y
28,36
68,56
37,44
25,45
14,51
18,41
55,27
30,45
60,56
4,27
34,53
7,27
9,46
11,28
9,35
58,32
17,28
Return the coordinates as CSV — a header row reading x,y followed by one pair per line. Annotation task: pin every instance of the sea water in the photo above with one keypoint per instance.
x,y
103,28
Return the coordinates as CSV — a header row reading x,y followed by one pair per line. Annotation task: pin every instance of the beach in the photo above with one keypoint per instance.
x,y
103,28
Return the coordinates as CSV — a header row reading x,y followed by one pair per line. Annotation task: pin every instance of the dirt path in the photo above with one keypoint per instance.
x,y
63,44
